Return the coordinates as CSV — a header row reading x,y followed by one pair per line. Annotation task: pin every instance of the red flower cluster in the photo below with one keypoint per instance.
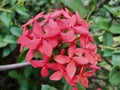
x,y
64,43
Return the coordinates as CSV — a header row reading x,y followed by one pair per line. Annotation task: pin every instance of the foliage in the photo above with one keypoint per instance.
x,y
104,19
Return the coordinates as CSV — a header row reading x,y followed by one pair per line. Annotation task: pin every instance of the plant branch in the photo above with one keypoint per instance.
x,y
108,62
95,77
13,66
6,10
103,68
3,3
107,47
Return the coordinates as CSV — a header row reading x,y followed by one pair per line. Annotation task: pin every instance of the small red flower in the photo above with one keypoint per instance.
x,y
64,41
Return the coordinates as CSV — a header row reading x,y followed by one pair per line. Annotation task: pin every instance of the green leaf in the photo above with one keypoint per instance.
x,y
94,1
13,74
22,55
40,3
28,71
6,18
2,43
47,87
10,39
76,5
12,46
107,52
102,23
113,10
114,76
117,51
67,87
115,28
116,59
110,9
16,31
80,87
6,51
12,2
107,39
24,84
22,11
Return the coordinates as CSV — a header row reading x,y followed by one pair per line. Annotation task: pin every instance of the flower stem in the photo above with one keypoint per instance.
x,y
13,66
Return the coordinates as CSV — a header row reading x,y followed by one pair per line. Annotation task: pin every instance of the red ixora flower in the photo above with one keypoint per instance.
x,y
64,44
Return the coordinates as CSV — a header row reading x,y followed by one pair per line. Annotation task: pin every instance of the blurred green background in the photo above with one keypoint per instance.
x,y
104,19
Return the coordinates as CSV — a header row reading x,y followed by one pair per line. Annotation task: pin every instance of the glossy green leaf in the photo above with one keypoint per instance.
x,y
117,51
115,28
12,2
102,23
76,5
5,18
107,52
28,71
22,11
2,43
47,87
116,59
16,31
22,56
24,85
12,46
6,51
113,10
94,1
114,76
13,74
10,39
67,87
80,87
107,39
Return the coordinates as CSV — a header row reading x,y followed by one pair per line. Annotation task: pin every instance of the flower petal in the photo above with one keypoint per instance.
x,y
39,15
78,51
71,69
85,82
69,80
81,60
61,59
52,33
44,72
53,66
36,63
77,15
52,23
71,50
81,30
74,88
72,20
76,79
65,14
22,40
56,76
32,44
53,42
62,24
89,73
46,48
56,14
68,37
29,55
94,67
37,30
